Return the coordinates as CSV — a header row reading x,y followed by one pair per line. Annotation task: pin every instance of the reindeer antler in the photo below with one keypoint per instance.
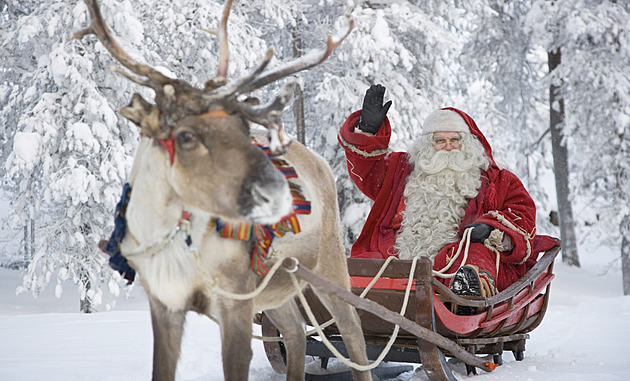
x,y
100,29
177,99
224,51
269,115
259,78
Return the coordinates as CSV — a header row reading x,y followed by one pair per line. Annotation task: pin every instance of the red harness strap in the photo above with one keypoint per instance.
x,y
169,145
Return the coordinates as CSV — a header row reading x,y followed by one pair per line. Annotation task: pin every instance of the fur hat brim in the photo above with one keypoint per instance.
x,y
443,121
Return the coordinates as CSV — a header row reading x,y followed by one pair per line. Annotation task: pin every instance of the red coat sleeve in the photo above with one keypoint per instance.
x,y
509,207
366,155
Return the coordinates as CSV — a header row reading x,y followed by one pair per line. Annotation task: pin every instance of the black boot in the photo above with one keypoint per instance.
x,y
466,282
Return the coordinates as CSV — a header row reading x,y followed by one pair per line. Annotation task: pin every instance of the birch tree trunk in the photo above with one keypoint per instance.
x,y
561,166
624,229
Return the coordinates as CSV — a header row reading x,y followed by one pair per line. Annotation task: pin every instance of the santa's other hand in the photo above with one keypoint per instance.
x,y
480,231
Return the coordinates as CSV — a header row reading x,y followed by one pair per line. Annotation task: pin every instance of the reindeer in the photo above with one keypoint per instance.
x,y
196,167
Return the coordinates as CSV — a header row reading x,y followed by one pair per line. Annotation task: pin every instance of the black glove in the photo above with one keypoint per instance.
x,y
373,112
480,231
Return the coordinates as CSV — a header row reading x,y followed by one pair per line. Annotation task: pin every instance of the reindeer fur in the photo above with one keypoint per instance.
x,y
178,281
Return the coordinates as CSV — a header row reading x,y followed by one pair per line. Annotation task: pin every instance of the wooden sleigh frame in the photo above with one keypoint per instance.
x,y
430,332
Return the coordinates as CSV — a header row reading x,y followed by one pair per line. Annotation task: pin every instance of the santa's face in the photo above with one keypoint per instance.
x,y
448,140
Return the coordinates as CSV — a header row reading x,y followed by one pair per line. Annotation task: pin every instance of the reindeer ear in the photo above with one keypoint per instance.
x,y
143,114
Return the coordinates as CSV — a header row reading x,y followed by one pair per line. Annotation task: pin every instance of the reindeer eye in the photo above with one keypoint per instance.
x,y
186,140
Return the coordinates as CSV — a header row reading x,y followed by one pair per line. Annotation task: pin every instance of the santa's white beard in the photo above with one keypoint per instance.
x,y
436,195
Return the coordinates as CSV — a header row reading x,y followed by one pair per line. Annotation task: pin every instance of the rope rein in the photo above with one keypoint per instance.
x,y
215,287
332,321
377,276
318,328
250,295
328,344
464,242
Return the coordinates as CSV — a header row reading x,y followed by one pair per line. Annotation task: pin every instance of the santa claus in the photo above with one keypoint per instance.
x,y
445,199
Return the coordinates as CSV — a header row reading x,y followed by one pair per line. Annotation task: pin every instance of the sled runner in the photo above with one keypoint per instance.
x,y
429,331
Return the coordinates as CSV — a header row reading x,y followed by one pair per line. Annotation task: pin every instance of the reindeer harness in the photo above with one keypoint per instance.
x,y
261,235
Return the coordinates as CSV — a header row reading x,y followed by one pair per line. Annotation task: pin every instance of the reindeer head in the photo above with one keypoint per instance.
x,y
206,131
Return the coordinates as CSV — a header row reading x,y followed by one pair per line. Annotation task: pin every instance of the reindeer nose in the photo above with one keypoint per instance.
x,y
265,196
259,195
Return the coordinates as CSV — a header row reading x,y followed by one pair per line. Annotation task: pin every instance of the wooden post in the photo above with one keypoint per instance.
x,y
433,360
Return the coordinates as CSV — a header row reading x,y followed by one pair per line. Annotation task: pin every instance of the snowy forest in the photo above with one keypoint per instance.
x,y
547,81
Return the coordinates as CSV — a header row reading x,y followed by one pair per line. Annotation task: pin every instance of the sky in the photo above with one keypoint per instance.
x,y
584,336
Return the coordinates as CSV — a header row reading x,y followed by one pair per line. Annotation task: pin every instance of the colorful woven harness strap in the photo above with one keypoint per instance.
x,y
263,235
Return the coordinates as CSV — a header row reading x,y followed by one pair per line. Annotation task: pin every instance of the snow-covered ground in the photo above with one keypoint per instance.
x,y
585,336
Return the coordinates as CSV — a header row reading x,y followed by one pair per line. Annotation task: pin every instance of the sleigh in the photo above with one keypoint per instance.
x,y
429,332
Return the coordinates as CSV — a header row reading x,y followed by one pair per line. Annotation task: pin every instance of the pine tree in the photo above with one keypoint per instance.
x,y
69,149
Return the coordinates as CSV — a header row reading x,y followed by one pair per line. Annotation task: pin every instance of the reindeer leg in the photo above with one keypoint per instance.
x,y
288,319
168,327
236,338
349,325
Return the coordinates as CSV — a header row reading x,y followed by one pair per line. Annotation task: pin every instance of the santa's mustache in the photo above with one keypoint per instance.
x,y
455,160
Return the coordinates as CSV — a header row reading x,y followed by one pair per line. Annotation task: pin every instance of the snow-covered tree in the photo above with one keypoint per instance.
x,y
68,150
504,68
595,70
509,43
552,38
399,46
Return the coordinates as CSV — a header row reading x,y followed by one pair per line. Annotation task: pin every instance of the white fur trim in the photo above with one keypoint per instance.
x,y
353,148
443,121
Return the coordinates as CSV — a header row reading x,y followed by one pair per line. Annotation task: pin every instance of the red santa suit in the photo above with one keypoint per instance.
x,y
502,202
